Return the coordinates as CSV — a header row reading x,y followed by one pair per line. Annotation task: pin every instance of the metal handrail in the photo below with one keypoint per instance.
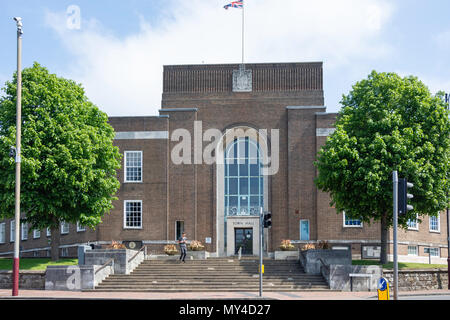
x,y
135,255
324,264
105,264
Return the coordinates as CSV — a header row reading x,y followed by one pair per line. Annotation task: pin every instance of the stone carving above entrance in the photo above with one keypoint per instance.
x,y
242,80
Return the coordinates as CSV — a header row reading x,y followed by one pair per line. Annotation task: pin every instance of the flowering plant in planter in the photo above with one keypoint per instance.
x,y
170,249
196,246
323,245
286,245
116,245
309,246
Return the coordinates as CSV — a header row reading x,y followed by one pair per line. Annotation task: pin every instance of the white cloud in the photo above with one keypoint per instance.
x,y
124,75
436,84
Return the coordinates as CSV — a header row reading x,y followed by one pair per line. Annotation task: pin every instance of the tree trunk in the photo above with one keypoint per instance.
x,y
384,239
55,238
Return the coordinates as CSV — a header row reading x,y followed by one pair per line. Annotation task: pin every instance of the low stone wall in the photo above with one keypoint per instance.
x,y
338,277
28,279
313,260
413,280
75,278
120,256
286,255
190,255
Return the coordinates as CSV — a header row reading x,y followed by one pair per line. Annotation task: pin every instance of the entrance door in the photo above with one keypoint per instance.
x,y
243,238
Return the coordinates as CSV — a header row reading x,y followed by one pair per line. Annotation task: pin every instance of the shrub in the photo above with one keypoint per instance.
x,y
170,249
196,246
116,245
323,245
286,245
309,246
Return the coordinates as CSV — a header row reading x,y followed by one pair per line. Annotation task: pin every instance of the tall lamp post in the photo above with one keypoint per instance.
x,y
447,101
15,289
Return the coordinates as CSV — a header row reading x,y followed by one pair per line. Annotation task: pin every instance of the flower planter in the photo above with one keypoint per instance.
x,y
197,255
286,255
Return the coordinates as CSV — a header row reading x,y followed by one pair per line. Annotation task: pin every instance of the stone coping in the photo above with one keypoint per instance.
x,y
417,270
25,271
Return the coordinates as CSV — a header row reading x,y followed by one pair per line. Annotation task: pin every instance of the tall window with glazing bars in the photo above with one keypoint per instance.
x,y
133,166
244,184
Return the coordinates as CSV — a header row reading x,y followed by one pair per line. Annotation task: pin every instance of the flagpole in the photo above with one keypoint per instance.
x,y
243,8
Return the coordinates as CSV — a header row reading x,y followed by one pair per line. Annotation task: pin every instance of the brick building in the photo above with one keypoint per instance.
x,y
266,123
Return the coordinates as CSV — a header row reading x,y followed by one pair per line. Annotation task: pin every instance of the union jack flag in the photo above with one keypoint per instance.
x,y
235,4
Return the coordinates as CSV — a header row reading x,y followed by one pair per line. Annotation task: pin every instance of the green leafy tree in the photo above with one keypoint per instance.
x,y
69,161
387,123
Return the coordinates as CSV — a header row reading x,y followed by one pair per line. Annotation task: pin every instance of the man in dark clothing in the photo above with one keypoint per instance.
x,y
182,243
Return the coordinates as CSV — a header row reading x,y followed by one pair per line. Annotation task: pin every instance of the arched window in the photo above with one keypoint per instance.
x,y
244,190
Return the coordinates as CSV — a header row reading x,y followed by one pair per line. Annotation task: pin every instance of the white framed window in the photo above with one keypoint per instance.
x,y
351,223
80,227
64,227
413,251
304,230
36,234
12,231
133,166
49,232
435,223
24,231
434,252
132,217
413,224
2,232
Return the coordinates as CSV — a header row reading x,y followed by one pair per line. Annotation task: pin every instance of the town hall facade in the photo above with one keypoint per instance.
x,y
229,142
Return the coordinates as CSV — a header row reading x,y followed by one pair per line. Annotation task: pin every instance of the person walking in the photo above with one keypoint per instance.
x,y
182,243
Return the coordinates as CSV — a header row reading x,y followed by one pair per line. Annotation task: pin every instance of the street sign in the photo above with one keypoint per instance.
x,y
383,289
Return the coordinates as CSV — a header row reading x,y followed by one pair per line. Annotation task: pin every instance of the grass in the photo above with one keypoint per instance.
x,y
35,263
401,265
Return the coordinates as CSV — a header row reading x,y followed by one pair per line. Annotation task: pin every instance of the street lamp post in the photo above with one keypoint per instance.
x,y
447,101
15,289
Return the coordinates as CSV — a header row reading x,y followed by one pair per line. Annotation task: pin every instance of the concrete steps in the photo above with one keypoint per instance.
x,y
214,275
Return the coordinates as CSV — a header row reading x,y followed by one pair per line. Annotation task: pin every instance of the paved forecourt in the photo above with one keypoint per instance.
x,y
49,294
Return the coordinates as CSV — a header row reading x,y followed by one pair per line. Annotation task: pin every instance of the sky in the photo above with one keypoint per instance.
x,y
117,49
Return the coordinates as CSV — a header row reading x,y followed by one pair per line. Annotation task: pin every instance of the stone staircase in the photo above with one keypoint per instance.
x,y
214,274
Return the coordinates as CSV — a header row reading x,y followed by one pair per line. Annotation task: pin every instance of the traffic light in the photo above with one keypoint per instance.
x,y
267,220
403,196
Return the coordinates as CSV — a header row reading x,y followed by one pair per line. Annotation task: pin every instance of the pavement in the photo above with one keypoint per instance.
x,y
299,295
